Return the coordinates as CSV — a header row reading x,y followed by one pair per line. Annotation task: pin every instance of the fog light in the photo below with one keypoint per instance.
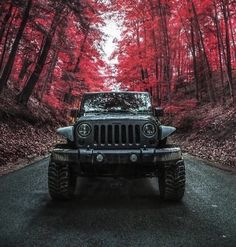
x,y
100,158
133,158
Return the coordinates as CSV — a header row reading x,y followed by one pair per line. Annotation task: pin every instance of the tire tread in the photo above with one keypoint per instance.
x,y
60,183
172,182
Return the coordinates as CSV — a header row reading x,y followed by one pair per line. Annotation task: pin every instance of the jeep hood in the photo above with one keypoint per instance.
x,y
116,117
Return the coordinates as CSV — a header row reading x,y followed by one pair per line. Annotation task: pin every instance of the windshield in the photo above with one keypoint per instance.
x,y
116,102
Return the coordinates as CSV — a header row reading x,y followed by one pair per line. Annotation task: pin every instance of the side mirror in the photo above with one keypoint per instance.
x,y
159,112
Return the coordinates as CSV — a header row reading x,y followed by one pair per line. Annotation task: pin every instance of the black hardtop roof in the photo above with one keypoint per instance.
x,y
109,92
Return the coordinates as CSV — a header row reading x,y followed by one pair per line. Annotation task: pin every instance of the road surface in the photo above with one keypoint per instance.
x,y
123,213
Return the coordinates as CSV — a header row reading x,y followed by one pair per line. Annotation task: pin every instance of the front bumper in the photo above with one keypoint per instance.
x,y
139,156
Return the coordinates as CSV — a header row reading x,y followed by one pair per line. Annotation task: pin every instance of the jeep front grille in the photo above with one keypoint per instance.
x,y
116,135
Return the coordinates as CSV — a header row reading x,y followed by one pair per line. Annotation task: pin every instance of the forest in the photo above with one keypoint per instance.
x,y
181,51
53,49
179,44
50,49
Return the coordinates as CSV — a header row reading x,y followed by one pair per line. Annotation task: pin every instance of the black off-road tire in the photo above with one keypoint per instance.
x,y
61,183
172,181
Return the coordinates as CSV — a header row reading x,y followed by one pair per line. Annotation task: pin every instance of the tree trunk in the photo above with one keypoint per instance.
x,y
24,70
25,94
6,43
76,68
209,84
49,74
218,33
195,69
166,46
158,72
5,21
228,51
8,68
231,31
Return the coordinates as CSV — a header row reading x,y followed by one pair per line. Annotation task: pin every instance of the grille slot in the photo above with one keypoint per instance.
x,y
103,134
131,134
109,135
137,133
96,134
116,135
123,134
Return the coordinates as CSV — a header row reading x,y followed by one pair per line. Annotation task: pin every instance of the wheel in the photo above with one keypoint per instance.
x,y
61,183
172,181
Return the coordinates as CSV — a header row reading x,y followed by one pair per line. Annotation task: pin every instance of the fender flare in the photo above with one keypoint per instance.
x,y
165,131
67,132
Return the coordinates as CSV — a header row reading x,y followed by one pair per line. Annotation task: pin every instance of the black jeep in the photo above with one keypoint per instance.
x,y
117,134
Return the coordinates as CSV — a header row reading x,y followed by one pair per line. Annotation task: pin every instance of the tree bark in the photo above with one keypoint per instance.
x,y
76,68
5,21
166,46
158,68
26,64
208,81
231,31
25,94
8,68
228,50
49,74
6,42
195,69
218,33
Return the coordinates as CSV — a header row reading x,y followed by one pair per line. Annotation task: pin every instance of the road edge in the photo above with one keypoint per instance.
x,y
211,163
21,164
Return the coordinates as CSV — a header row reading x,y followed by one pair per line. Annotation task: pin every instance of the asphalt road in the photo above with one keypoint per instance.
x,y
110,212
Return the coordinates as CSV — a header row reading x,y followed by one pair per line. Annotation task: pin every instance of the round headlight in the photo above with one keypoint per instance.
x,y
149,129
84,130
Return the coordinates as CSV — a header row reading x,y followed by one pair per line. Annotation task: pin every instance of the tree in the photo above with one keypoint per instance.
x,y
25,94
8,67
172,40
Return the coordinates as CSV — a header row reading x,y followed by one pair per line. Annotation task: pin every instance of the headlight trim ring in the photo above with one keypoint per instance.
x,y
84,130
147,128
